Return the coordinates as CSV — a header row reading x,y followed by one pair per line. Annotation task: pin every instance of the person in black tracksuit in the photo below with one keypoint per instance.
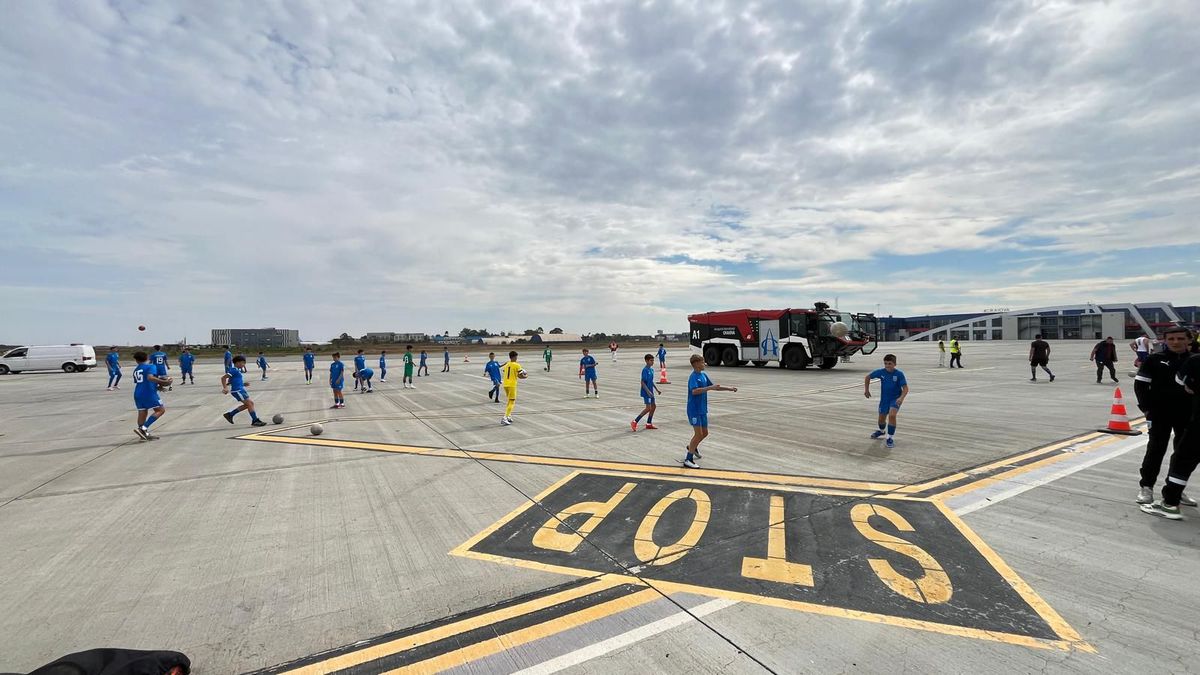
x,y
1166,405
1187,454
1105,354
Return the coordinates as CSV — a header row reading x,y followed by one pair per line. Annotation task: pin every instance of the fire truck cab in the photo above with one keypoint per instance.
x,y
796,338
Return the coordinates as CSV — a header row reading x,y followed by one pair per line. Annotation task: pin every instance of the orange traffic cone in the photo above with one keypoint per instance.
x,y
1118,420
662,375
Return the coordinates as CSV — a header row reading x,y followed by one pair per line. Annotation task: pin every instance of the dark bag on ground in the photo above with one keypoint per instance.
x,y
109,661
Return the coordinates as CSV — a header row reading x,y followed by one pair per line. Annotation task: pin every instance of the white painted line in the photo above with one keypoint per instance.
x,y
624,640
984,497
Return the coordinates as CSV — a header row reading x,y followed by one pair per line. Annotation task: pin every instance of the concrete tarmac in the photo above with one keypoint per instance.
x,y
417,534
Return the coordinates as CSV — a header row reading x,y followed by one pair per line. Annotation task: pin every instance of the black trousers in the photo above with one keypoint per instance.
x,y
1112,371
1161,427
1183,463
956,358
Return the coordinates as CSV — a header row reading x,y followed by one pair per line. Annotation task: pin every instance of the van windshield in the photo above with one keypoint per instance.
x,y
20,351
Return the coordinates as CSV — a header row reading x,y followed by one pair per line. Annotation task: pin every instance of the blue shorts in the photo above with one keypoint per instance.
x,y
495,382
589,377
185,369
648,400
336,387
147,402
886,405
699,420
160,371
240,395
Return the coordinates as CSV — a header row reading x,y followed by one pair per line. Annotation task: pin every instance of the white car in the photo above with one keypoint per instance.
x,y
68,358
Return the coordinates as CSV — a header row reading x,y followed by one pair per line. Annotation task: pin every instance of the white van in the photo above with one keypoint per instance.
x,y
70,358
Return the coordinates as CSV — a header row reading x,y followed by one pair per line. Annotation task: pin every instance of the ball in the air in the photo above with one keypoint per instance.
x,y
522,374
141,328
316,429
277,419
839,329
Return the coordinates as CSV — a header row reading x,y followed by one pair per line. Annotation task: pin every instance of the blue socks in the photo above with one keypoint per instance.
x,y
234,412
650,419
891,429
150,420
253,416
881,426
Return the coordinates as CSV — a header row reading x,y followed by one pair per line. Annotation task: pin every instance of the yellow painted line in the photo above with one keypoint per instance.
x,y
519,637
1017,471
572,463
407,642
1044,610
921,487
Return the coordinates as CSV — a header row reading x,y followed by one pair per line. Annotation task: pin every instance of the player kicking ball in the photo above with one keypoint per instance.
x,y
893,389
649,389
233,383
145,395
697,408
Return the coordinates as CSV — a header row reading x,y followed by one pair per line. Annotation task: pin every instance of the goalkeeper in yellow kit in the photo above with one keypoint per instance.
x,y
509,374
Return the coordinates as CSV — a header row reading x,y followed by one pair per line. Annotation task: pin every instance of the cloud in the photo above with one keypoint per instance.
x,y
406,166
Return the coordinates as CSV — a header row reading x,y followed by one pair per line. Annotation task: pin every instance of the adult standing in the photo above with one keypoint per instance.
x,y
1166,405
955,353
941,353
1105,355
1039,357
1187,456
612,347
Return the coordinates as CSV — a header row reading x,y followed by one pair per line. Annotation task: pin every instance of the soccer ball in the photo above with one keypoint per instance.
x,y
316,429
141,328
277,419
522,374
839,329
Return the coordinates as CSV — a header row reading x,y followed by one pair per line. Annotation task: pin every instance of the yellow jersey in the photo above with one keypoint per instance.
x,y
509,372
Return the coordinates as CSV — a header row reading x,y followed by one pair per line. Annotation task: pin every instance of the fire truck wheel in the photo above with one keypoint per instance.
x,y
795,358
711,356
729,356
759,364
828,362
742,363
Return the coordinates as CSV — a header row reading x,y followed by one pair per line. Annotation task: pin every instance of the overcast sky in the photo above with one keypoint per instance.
x,y
374,166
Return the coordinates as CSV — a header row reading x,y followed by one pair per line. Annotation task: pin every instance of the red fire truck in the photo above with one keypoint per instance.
x,y
796,338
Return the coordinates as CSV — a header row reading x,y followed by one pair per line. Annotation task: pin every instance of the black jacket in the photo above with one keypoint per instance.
x,y
1158,390
1189,376
1104,352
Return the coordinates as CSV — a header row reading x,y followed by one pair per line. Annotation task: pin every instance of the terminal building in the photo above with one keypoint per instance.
x,y
395,338
1063,322
256,337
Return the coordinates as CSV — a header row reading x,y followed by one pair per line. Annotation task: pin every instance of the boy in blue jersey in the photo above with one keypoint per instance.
x,y
233,384
697,408
186,361
364,376
648,390
228,358
145,395
893,389
445,359
262,363
310,362
114,368
383,366
587,370
159,360
423,366
360,362
337,379
492,369
662,356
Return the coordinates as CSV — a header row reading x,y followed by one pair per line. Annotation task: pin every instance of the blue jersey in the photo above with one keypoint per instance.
x,y
697,404
423,355
262,362
647,388
366,373
588,363
310,360
382,362
114,361
144,389
159,359
360,362
891,383
446,355
236,382
186,360
662,353
335,373
493,371
228,358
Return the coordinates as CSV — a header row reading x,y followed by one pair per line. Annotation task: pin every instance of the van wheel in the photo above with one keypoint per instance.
x,y
759,364
711,356
82,368
68,367
3,369
729,356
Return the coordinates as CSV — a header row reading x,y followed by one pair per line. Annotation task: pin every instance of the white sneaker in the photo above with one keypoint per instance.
x,y
109,389
1185,500
510,420
690,464
504,421
1145,495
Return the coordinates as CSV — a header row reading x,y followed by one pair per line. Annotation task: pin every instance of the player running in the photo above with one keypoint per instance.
x,y
337,379
546,356
383,366
491,369
697,408
408,368
262,364
509,374
310,363
232,383
159,360
145,395
587,370
612,347
186,362
893,389
114,368
648,390
1039,356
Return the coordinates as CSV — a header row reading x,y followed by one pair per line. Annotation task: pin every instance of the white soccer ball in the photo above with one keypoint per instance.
x,y
316,429
522,374
839,329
